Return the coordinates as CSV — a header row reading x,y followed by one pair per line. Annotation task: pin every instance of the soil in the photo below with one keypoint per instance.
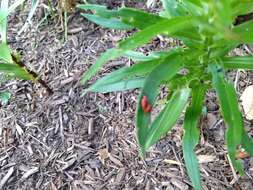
x,y
65,141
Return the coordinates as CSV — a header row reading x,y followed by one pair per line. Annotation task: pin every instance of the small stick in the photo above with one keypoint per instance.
x,y
61,124
90,127
29,173
6,177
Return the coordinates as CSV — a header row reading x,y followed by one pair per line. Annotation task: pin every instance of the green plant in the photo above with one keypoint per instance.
x,y
10,63
4,97
206,29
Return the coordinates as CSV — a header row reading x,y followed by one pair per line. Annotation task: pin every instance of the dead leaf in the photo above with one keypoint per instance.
x,y
67,5
103,154
172,162
241,155
115,161
121,175
206,158
247,102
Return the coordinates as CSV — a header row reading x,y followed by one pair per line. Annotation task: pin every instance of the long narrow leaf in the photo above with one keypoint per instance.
x,y
137,70
168,117
245,62
140,38
230,112
121,85
191,135
173,8
247,143
164,71
99,10
135,18
3,23
107,23
15,71
242,8
163,27
193,7
138,19
126,73
5,53
138,56
223,12
126,18
243,32
105,57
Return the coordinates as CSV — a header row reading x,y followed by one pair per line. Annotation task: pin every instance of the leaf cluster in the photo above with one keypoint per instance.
x,y
10,64
207,30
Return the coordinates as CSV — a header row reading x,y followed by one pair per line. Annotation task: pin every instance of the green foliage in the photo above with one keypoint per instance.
x,y
206,29
191,135
8,65
4,97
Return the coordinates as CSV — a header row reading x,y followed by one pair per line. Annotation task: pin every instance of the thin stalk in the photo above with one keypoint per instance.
x,y
33,75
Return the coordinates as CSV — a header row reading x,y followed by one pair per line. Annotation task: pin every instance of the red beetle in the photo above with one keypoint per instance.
x,y
146,107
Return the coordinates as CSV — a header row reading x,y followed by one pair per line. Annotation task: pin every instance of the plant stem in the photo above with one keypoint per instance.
x,y
34,75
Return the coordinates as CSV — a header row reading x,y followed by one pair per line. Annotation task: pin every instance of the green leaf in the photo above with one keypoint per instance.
x,y
107,23
127,18
242,8
138,56
131,17
163,72
173,8
5,53
243,32
124,74
99,10
193,7
243,62
3,15
191,135
222,48
230,112
122,85
169,26
105,57
223,12
142,20
137,18
168,117
15,71
5,97
127,74
3,23
181,8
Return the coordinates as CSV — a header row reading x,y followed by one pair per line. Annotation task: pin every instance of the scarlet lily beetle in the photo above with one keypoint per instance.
x,y
146,107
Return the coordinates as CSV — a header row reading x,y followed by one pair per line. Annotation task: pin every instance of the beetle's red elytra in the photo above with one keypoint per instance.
x,y
146,107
